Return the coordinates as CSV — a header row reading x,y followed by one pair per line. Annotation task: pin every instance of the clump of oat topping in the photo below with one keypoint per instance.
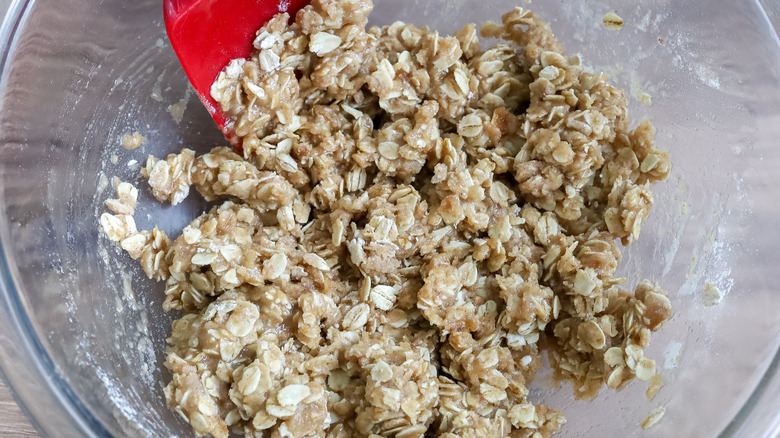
x,y
411,220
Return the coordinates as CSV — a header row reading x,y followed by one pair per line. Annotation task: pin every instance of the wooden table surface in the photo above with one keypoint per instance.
x,y
13,424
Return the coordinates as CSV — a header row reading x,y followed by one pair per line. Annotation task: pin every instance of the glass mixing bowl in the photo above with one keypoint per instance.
x,y
81,328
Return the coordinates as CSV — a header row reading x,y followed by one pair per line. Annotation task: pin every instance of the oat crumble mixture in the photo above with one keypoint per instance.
x,y
413,221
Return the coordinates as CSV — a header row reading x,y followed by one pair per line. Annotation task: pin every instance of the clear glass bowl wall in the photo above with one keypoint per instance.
x,y
81,328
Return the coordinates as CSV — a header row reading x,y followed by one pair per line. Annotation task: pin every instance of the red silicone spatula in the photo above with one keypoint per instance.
x,y
207,34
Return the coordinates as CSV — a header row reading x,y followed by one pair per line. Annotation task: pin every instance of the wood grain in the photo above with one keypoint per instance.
x,y
13,423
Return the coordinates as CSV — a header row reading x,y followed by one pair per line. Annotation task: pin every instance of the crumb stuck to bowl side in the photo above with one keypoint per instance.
x,y
413,221
612,21
653,418
133,141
